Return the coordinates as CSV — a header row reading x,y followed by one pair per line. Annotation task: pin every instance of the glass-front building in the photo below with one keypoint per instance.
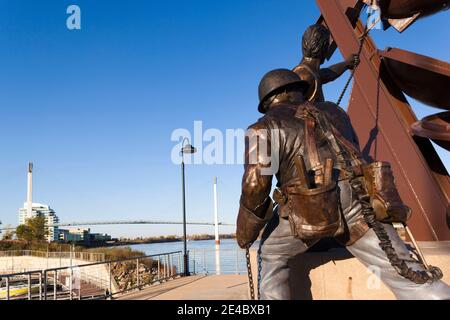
x,y
42,210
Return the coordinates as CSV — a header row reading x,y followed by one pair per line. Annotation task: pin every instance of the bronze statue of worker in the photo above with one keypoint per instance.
x,y
315,45
324,189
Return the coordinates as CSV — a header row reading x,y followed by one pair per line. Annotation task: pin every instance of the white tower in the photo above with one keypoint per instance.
x,y
30,191
216,218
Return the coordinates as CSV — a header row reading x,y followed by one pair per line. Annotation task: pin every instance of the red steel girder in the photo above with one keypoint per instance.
x,y
382,118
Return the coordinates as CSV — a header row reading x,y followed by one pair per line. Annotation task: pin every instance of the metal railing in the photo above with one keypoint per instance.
x,y
98,280
9,279
79,255
218,261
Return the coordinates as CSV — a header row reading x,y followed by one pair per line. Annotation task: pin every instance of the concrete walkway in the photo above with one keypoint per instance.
x,y
200,287
334,274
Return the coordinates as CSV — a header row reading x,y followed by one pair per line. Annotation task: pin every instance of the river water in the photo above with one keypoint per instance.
x,y
204,255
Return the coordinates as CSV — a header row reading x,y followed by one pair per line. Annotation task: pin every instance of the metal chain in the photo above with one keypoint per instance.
x,y
259,274
420,277
361,43
249,273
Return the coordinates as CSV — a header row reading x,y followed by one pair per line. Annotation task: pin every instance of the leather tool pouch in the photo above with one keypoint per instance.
x,y
313,206
314,213
384,197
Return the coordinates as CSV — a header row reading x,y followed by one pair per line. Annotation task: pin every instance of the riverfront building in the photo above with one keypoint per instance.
x,y
41,210
82,235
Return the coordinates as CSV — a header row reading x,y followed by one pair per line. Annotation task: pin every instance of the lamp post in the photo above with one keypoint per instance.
x,y
188,148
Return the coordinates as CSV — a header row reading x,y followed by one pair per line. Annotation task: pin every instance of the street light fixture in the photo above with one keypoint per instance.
x,y
189,149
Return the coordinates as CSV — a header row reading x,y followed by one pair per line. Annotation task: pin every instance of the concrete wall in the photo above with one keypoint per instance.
x,y
97,274
338,275
28,263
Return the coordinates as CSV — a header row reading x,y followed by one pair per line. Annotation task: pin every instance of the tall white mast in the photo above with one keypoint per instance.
x,y
30,190
216,218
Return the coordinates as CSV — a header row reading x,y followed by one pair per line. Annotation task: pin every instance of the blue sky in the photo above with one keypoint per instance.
x,y
94,108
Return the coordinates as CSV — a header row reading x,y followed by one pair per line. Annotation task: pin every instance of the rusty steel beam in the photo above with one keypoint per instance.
x,y
420,77
382,119
435,127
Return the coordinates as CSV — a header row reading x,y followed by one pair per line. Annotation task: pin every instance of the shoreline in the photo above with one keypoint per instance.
x,y
6,245
120,243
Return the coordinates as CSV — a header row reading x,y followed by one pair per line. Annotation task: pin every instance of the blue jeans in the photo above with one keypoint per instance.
x,y
278,247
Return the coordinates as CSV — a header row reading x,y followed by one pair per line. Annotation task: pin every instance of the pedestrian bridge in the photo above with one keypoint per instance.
x,y
124,222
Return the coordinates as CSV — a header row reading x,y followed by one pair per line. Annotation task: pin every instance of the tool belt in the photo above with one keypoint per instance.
x,y
312,213
311,203
384,198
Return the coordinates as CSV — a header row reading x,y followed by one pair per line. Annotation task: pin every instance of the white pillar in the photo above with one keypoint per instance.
x,y
217,260
30,191
216,218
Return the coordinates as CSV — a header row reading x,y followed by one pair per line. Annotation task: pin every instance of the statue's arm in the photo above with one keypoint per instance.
x,y
255,203
335,71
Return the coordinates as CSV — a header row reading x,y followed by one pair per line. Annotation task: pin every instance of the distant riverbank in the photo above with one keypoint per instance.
x,y
161,239
120,249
